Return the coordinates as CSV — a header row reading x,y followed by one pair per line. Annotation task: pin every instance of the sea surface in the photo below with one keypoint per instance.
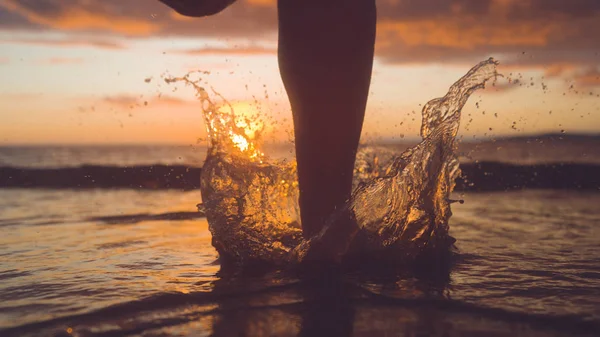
x,y
94,260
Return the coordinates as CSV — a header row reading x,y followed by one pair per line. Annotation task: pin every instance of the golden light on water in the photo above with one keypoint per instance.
x,y
249,117
248,129
240,142
246,146
233,127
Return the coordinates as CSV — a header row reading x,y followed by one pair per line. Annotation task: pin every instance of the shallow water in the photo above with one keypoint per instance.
x,y
86,259
527,263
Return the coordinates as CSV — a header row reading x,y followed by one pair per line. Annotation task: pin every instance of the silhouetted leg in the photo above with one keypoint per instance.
x,y
325,58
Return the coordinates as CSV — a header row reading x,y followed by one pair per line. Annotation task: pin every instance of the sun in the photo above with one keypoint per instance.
x,y
249,118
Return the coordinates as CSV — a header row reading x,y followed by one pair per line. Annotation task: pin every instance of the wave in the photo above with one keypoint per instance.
x,y
491,176
475,177
152,177
143,217
234,307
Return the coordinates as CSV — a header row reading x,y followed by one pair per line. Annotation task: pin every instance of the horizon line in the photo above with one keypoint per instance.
x,y
382,140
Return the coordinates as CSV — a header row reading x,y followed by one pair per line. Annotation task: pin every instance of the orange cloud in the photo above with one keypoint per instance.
x,y
589,78
409,31
123,100
63,60
463,33
558,69
67,42
76,18
135,18
131,101
171,100
249,51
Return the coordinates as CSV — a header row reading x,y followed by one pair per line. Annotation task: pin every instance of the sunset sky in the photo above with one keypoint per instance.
x,y
85,71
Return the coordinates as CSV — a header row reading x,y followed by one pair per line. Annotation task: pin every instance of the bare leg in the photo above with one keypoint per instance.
x,y
325,58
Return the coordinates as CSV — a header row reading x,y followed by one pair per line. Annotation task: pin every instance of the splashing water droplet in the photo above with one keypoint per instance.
x,y
399,209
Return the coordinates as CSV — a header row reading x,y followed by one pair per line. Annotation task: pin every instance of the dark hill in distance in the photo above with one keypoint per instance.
x,y
552,161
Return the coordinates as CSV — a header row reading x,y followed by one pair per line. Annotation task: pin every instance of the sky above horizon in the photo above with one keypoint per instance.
x,y
82,71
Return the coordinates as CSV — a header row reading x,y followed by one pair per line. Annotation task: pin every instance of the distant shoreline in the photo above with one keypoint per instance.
x,y
476,177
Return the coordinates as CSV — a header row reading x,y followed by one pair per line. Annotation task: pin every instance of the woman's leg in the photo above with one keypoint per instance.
x,y
325,58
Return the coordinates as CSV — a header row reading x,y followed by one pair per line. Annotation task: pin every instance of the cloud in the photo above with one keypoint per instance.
x,y
171,100
558,69
4,60
122,100
67,42
129,101
463,30
73,15
63,60
234,51
589,78
409,31
136,18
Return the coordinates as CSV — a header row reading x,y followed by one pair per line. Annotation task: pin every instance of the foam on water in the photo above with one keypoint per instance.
x,y
399,209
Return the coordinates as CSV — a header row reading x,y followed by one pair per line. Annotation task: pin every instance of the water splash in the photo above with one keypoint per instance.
x,y
228,133
399,209
251,203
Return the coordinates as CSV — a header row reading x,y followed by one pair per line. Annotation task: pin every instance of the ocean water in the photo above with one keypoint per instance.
x,y
109,241
125,262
